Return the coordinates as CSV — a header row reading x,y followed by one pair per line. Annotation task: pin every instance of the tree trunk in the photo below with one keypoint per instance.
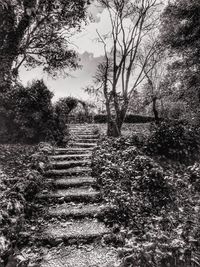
x,y
121,115
112,129
155,111
115,125
10,44
5,73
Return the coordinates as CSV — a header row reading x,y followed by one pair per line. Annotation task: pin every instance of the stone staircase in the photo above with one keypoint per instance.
x,y
75,204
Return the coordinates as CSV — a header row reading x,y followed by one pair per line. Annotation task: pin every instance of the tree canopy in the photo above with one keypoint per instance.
x,y
181,36
36,33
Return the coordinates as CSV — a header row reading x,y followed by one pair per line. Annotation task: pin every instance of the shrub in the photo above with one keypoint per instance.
x,y
174,140
28,114
131,182
63,107
100,118
154,210
20,182
130,118
172,238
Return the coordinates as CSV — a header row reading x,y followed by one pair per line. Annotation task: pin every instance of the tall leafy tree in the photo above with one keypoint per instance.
x,y
181,35
36,33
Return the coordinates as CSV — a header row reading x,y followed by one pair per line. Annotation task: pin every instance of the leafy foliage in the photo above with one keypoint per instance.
x,y
20,183
174,140
155,209
37,33
180,34
131,182
130,118
28,115
64,106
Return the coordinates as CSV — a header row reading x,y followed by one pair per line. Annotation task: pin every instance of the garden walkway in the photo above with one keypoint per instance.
x,y
74,234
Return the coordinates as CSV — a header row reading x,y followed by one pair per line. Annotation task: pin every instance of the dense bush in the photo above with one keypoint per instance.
x,y
100,118
155,210
131,182
62,109
64,106
175,140
20,182
173,237
130,118
27,115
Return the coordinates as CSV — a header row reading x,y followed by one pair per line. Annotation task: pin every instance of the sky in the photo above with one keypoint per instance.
x,y
90,52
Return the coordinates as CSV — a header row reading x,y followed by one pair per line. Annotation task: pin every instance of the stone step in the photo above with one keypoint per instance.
x,y
69,232
87,136
91,255
81,132
81,194
66,164
74,182
82,127
68,172
87,129
67,210
78,126
71,156
80,140
73,150
83,145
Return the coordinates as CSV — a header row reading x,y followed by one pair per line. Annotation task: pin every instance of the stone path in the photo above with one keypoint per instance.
x,y
74,234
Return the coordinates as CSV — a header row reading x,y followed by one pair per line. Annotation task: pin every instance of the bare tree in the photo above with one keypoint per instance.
x,y
131,21
155,72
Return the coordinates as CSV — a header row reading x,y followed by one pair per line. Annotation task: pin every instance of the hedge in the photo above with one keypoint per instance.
x,y
130,118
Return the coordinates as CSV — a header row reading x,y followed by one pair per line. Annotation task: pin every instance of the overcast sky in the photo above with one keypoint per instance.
x,y
90,52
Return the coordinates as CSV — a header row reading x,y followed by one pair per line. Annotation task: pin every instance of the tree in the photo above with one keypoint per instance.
x,y
27,114
36,33
131,21
157,66
64,107
181,36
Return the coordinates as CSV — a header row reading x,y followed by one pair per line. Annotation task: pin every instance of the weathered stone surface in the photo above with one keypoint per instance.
x,y
73,194
64,164
85,256
86,230
74,181
76,210
86,140
74,221
68,172
85,145
71,156
73,150
87,136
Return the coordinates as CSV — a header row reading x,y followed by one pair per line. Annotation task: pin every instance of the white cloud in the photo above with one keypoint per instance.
x,y
87,39
67,86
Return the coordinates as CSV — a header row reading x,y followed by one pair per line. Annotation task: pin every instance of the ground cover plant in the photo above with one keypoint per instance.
x,y
21,168
154,198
